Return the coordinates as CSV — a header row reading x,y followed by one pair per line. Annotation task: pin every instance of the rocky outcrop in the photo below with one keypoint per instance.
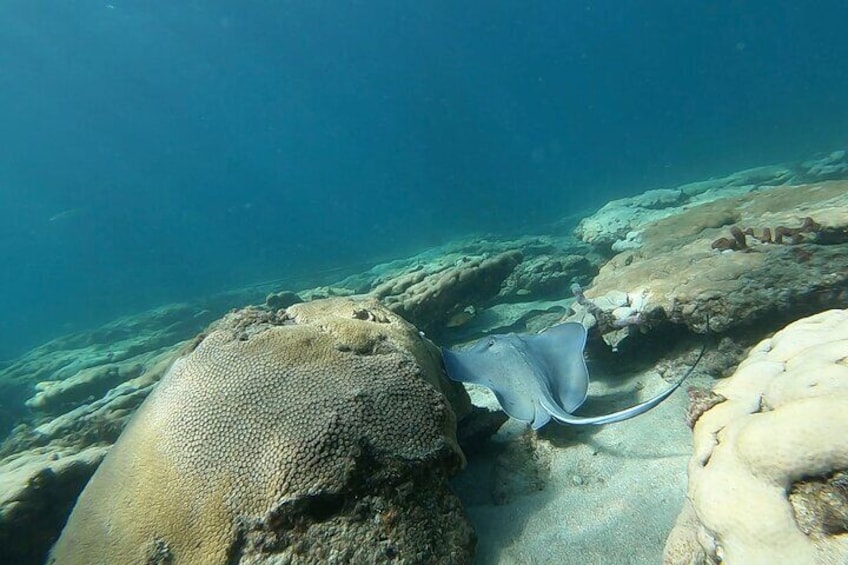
x,y
71,370
38,488
546,277
69,400
618,225
431,297
679,277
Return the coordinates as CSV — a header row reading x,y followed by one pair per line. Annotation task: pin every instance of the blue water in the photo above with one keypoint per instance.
x,y
154,151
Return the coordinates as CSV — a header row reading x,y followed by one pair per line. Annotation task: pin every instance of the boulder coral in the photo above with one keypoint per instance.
x,y
767,480
324,433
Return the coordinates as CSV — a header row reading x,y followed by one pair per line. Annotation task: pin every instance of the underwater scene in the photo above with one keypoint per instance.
x,y
359,282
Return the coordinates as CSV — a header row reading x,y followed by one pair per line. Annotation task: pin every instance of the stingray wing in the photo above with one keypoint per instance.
x,y
557,354
498,364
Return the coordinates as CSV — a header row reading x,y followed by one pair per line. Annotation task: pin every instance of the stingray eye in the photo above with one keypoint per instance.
x,y
491,342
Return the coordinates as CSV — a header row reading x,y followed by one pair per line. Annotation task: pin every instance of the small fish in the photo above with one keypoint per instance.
x,y
461,318
65,214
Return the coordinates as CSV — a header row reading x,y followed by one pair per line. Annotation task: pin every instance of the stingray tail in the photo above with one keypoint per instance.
x,y
561,415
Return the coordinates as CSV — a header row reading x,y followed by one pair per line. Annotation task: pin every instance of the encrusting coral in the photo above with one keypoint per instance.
x,y
769,462
316,434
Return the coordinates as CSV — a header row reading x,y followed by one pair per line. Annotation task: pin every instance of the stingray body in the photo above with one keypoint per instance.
x,y
536,377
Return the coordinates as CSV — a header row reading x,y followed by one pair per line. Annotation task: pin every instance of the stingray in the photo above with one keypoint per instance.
x,y
536,377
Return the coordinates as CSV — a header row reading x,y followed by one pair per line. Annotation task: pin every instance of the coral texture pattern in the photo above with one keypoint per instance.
x,y
767,479
314,434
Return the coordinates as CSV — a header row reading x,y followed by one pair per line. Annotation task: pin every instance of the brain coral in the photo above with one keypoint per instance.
x,y
315,434
767,481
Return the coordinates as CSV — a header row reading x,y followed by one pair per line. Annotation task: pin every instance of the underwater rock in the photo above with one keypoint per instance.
x,y
832,166
615,226
101,419
478,426
768,470
429,299
282,299
685,281
505,317
820,504
343,442
323,292
632,240
38,487
616,314
68,401
93,382
71,370
545,277
44,465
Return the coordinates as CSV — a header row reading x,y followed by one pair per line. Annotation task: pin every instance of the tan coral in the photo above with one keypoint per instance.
x,y
284,440
785,421
431,299
688,282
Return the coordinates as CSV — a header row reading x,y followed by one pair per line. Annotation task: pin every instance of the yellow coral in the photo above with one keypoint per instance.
x,y
253,420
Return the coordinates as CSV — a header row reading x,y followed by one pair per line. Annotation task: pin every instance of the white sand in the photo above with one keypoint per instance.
x,y
612,494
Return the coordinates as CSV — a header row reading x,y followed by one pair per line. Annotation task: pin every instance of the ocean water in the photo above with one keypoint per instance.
x,y
153,153
156,151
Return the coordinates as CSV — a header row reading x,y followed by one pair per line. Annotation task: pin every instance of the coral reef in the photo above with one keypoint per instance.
x,y
767,477
684,281
655,275
429,299
617,226
282,299
322,435
546,277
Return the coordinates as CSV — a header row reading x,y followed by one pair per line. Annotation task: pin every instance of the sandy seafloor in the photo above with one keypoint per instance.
x,y
612,495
